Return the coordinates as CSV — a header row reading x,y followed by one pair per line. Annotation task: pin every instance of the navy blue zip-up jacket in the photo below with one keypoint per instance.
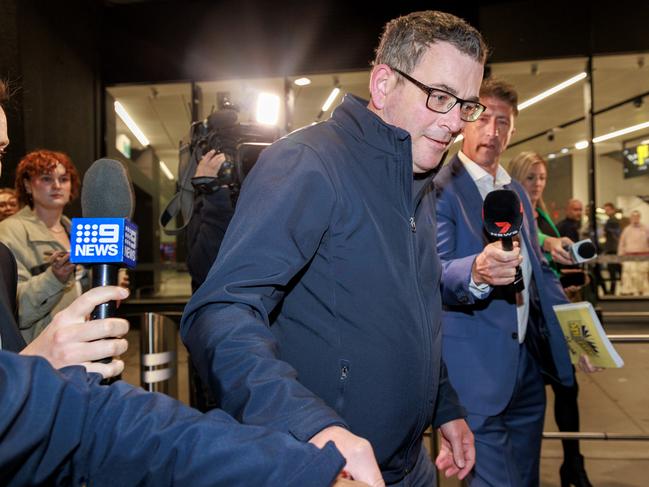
x,y
64,428
323,306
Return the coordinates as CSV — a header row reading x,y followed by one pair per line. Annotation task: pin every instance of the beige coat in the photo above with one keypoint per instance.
x,y
40,294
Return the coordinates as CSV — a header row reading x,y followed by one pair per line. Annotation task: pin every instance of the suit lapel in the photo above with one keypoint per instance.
x,y
468,191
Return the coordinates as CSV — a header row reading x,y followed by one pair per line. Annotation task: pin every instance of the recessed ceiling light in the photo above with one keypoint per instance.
x,y
302,81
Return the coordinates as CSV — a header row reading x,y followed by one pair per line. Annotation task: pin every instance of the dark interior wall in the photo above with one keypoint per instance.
x,y
553,28
53,61
205,40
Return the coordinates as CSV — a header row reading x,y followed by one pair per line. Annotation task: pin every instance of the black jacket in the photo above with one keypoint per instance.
x,y
323,306
12,340
210,219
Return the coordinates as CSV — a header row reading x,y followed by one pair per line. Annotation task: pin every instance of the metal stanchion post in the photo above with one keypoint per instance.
x,y
158,353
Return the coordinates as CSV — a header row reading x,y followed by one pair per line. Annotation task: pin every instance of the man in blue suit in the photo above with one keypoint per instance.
x,y
497,343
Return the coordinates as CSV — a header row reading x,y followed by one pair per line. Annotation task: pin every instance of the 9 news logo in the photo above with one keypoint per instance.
x,y
103,240
96,240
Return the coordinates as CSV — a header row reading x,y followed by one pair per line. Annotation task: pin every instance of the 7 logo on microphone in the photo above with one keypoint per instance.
x,y
103,241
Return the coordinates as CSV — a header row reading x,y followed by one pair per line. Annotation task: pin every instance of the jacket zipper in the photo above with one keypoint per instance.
x,y
411,209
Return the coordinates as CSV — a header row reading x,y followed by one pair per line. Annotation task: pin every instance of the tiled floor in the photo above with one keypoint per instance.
x,y
613,401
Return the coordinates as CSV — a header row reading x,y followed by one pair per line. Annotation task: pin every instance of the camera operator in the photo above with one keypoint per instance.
x,y
213,210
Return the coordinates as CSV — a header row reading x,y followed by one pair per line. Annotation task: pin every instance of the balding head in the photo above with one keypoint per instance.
x,y
574,209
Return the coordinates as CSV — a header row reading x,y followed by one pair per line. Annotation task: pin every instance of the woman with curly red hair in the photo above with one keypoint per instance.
x,y
38,235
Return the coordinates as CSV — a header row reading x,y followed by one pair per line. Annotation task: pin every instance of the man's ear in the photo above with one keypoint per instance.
x,y
381,82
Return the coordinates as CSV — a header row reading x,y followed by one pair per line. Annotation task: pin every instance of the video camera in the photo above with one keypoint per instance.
x,y
241,143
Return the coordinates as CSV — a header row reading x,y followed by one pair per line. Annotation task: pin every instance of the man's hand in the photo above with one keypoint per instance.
x,y
585,366
361,464
209,164
71,340
555,246
495,266
457,449
341,482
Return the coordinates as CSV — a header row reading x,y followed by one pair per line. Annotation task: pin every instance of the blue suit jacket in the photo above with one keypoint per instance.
x,y
480,347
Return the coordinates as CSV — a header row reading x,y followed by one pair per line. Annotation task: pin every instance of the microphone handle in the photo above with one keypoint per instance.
x,y
104,275
519,283
508,243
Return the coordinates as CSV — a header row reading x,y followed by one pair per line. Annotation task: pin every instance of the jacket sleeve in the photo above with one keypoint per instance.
x,y
37,295
456,271
282,216
64,428
205,232
447,406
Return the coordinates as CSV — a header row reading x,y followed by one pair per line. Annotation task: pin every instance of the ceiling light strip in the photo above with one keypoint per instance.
x,y
132,126
552,91
166,171
624,131
332,96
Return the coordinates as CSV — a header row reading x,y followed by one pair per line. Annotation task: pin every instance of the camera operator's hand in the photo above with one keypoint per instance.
x,y
210,164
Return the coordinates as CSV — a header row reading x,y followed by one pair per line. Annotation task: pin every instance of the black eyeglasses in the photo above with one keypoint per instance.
x,y
441,101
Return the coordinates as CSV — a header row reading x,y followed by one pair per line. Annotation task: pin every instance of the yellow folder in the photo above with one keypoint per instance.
x,y
585,335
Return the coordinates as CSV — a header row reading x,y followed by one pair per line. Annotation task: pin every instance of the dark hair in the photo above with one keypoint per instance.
x,y
41,162
500,89
405,39
4,93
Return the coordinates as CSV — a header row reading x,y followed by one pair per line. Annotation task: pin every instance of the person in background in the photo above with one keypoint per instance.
x,y
497,340
634,241
213,210
38,236
531,170
8,202
63,342
570,226
612,232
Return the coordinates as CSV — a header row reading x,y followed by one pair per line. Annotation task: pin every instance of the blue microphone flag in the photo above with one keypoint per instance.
x,y
103,241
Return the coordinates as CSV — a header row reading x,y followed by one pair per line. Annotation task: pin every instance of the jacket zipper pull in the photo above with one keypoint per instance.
x,y
413,226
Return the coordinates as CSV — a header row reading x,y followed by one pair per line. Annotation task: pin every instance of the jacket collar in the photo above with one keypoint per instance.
x,y
354,116
34,227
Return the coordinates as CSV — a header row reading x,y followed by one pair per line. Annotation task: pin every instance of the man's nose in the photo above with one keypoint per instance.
x,y
492,129
453,121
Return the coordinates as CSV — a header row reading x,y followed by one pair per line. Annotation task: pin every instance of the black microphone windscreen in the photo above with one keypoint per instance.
x,y
502,213
587,250
107,191
222,119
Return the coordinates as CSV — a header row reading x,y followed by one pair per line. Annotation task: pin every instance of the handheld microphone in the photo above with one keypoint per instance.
x,y
582,251
502,214
105,238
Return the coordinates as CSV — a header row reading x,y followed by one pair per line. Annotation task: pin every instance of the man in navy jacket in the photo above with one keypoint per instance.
x,y
321,314
496,342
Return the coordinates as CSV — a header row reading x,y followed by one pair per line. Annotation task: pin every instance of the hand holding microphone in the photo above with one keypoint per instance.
x,y
499,263
104,238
